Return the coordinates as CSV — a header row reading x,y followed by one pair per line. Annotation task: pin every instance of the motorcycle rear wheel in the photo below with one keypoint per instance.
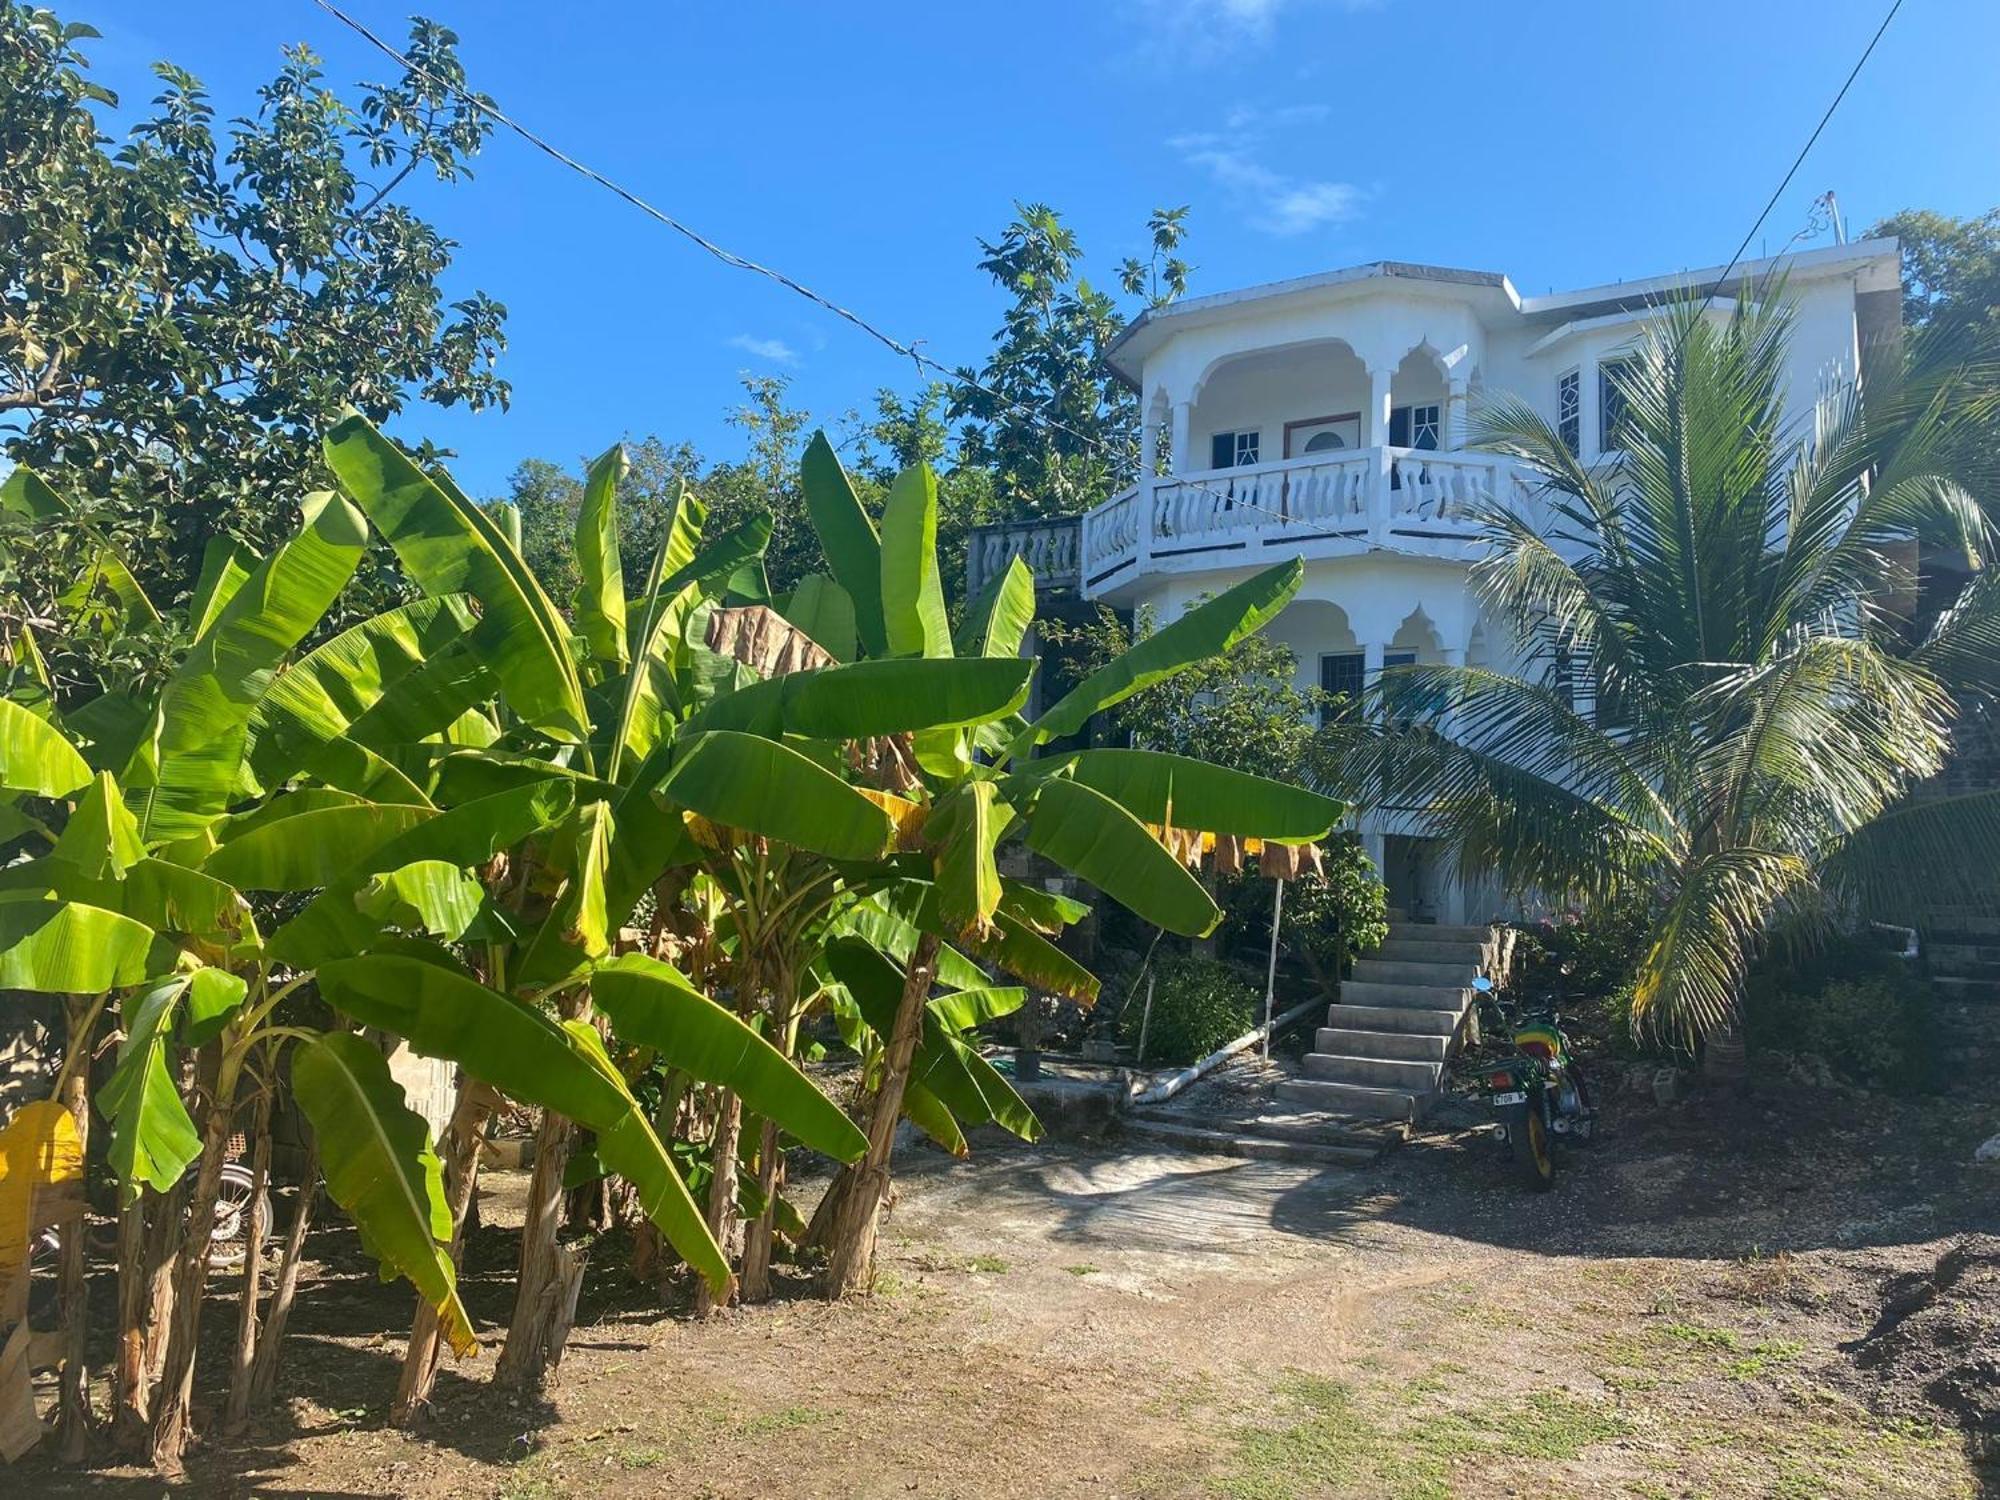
x,y
1528,1137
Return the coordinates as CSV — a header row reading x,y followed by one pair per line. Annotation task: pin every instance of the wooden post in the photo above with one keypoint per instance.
x,y
1145,1017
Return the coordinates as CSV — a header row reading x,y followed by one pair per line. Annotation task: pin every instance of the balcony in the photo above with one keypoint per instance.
x,y
1417,501
1048,547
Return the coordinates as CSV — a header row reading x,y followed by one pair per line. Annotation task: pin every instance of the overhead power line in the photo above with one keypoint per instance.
x,y
1805,150
909,350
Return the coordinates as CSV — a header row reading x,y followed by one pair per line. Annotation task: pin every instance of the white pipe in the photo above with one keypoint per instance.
x,y
1173,1083
1145,1019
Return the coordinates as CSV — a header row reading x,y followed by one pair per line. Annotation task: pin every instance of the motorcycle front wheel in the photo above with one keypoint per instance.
x,y
1528,1138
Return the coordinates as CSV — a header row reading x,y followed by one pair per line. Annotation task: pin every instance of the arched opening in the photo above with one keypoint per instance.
x,y
1327,653
1417,396
1274,404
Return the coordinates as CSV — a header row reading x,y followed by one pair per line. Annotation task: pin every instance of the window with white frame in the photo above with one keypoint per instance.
x,y
1569,409
1611,403
1415,426
1232,450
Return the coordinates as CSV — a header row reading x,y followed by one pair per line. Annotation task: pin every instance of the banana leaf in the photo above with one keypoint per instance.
x,y
997,621
417,991
600,593
821,608
1086,832
743,781
153,1140
869,698
848,538
375,1153
913,612
450,547
184,777
101,837
467,835
67,948
34,757
314,848
1156,787
652,1004
1200,634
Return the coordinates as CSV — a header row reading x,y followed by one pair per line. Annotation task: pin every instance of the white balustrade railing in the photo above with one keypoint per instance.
x,y
1049,548
1380,495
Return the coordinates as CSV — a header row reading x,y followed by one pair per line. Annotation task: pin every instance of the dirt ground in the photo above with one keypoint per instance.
x,y
1726,1296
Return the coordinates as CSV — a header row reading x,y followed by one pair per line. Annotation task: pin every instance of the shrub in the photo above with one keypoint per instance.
x,y
1328,921
1849,1004
1198,1005
1582,966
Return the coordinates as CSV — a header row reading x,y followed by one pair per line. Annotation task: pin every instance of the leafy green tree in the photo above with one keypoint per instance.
x,y
183,312
1951,267
1761,699
1057,429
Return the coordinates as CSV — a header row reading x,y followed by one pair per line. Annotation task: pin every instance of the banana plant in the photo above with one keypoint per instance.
x,y
1100,814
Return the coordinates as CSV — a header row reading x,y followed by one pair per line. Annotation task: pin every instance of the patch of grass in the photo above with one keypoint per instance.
x,y
1699,1336
1085,1269
790,1419
633,1459
1330,1442
991,1265
1763,1356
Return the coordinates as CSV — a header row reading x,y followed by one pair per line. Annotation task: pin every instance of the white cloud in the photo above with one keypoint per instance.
x,y
1204,30
775,350
1271,200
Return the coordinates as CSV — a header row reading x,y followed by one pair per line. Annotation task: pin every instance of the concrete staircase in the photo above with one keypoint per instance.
x,y
1382,1053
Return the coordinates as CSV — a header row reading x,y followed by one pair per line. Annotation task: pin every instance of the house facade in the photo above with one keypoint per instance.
x,y
1326,418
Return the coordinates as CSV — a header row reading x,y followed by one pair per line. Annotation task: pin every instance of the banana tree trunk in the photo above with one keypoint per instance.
x,y
464,1137
128,1381
722,1190
755,1283
856,1220
172,1417
143,1339
236,1414
545,1265
73,1424
264,1370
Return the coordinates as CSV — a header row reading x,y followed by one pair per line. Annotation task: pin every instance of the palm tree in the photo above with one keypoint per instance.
x,y
1739,592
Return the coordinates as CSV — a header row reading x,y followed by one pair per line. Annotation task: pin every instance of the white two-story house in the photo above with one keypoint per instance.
x,y
1326,418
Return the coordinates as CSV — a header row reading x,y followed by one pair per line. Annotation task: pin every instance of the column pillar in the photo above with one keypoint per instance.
x,y
1149,441
1455,414
1183,460
1375,420
1586,411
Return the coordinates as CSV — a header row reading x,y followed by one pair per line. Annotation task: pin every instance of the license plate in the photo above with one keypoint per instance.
x,y
1500,1099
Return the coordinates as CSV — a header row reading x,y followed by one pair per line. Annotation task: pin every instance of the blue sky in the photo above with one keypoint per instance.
x,y
865,147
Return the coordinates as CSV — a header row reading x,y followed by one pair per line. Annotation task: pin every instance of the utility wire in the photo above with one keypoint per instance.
x,y
1805,150
911,350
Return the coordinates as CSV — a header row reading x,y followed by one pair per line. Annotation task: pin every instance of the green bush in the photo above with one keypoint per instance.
x,y
1582,966
1328,921
1198,1005
1849,1004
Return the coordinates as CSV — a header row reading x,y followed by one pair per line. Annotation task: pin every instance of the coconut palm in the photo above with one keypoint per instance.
x,y
1738,592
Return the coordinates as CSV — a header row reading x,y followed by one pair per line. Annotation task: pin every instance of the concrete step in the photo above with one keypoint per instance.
x,y
1412,951
1353,1098
1417,1045
1398,971
1376,1072
1401,1018
1222,1140
1411,996
1437,932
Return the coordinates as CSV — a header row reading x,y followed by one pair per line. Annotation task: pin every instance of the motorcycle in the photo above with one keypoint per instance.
x,y
1538,1093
